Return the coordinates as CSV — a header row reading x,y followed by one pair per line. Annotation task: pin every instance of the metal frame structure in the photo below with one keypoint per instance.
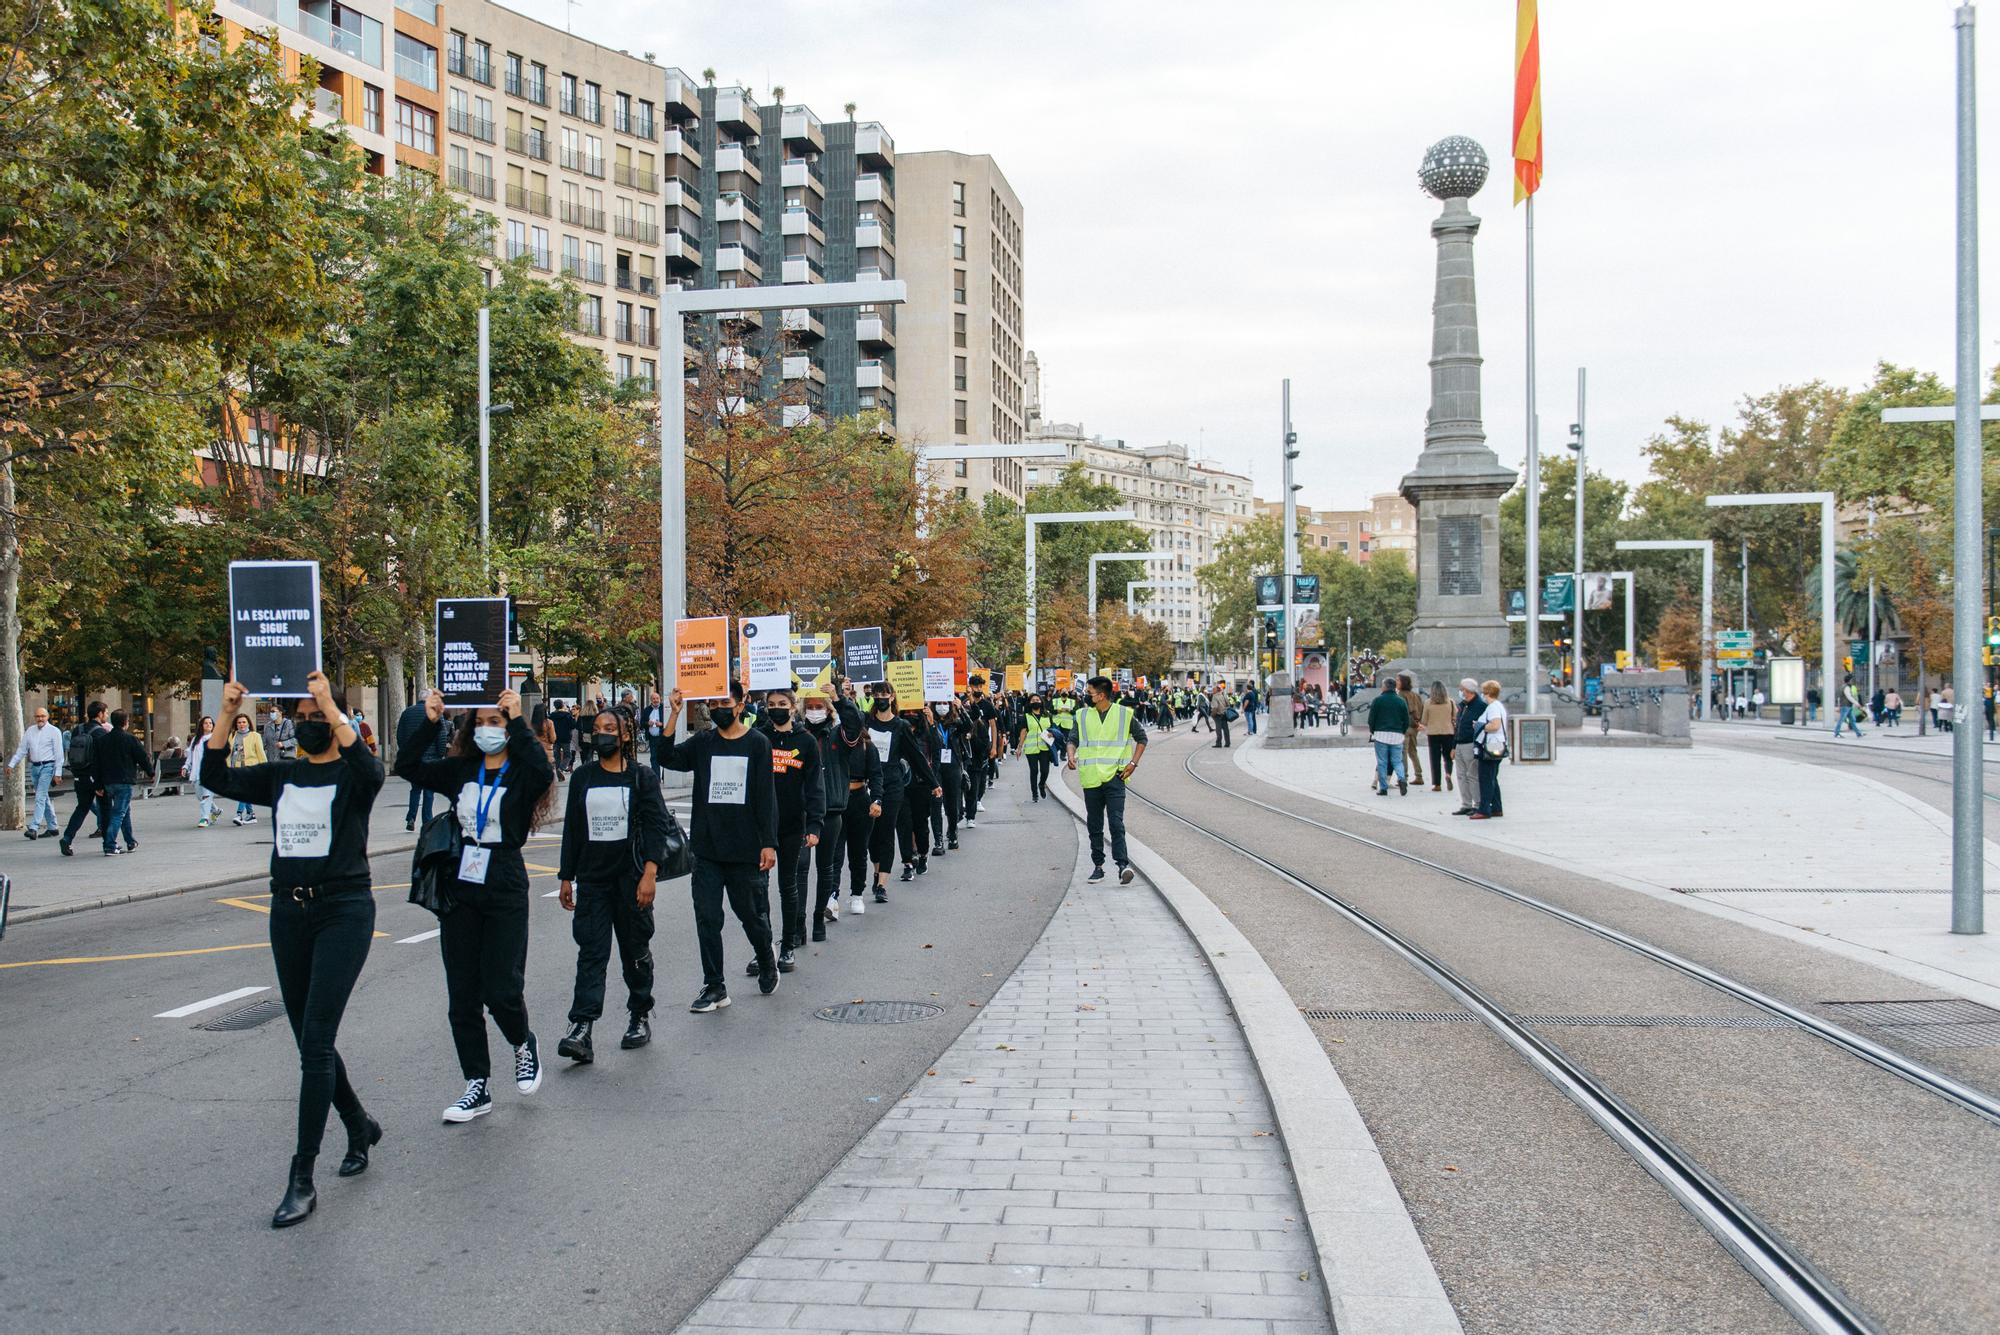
x,y
1057,517
1096,557
1706,546
1829,639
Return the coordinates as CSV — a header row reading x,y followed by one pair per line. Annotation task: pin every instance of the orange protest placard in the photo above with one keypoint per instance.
x,y
701,657
959,650
1062,679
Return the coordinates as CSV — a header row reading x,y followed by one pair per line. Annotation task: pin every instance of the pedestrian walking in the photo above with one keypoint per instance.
x,y
206,810
501,786
42,748
1038,744
913,816
1413,755
852,778
565,723
280,739
119,760
82,757
1388,725
1492,744
801,795
734,839
1221,713
955,755
1892,709
1110,743
1465,750
246,748
407,724
904,766
1440,726
613,846
1849,714
322,908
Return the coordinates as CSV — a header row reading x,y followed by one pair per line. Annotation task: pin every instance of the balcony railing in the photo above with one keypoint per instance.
x,y
643,283
327,103
538,259
424,74
528,201
426,10
469,65
583,108
463,180
636,178
462,121
534,90
326,34
730,249
529,143
588,322
633,229
574,159
587,271
639,127
640,332
577,215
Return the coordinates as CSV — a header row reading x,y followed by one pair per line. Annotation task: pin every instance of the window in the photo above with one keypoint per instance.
x,y
416,61
958,465
517,239
624,368
958,286
958,415
958,374
593,103
415,127
958,329
957,243
958,199
371,108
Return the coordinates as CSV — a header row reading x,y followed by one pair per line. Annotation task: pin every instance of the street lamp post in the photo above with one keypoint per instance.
x,y
1576,579
1291,451
1057,517
1706,546
1347,667
1096,557
1828,641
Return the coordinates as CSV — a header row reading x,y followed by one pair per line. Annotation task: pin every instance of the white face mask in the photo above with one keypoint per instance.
x,y
490,739
815,716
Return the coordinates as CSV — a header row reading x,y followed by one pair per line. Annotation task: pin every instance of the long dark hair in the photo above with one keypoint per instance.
x,y
463,748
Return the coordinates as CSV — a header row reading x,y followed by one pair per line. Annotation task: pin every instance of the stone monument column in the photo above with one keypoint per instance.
x,y
1461,624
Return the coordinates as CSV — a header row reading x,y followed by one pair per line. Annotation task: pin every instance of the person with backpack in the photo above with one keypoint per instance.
x,y
613,847
81,753
118,760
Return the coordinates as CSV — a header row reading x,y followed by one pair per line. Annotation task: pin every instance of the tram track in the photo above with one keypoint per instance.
x,y
1777,1264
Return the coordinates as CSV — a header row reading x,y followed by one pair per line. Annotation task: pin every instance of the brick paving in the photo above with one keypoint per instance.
x,y
1094,1154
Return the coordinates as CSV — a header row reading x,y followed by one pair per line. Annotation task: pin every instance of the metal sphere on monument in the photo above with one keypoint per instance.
x,y
1455,167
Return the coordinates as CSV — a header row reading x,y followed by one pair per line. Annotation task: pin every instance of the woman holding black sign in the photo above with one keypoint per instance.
x,y
502,784
322,907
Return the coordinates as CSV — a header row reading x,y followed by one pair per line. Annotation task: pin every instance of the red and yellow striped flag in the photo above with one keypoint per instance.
x,y
1527,101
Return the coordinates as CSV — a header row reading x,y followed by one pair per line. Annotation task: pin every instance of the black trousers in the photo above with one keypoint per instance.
x,y
828,856
945,810
792,888
1489,785
975,791
484,940
319,947
859,832
749,894
882,838
1038,773
1441,758
604,913
89,798
913,824
1221,725
1102,803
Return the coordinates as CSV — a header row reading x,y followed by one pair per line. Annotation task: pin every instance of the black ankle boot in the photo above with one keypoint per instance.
x,y
362,1133
300,1198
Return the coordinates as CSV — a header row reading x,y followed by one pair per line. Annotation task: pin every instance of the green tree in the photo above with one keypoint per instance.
x,y
1604,524
1381,594
1904,468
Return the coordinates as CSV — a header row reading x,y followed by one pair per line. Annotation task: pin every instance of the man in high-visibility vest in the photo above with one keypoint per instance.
x,y
1065,707
1109,741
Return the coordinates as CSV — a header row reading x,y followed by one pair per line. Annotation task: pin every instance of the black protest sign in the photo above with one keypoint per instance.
x,y
471,651
274,626
861,655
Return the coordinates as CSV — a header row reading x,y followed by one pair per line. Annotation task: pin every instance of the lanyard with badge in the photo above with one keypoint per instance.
x,y
474,858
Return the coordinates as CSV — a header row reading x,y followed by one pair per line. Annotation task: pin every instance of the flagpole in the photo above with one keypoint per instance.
x,y
1533,482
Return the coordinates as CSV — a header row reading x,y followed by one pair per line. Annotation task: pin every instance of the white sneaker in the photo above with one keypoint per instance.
x,y
858,904
833,908
235,820
971,824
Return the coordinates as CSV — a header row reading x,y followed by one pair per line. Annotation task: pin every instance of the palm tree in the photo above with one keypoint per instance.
x,y
850,111
1850,597
708,75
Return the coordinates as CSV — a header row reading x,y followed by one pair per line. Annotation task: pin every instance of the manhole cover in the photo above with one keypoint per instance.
x,y
247,1017
879,1012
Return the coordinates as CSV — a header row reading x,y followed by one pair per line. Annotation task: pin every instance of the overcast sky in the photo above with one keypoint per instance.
x,y
1738,195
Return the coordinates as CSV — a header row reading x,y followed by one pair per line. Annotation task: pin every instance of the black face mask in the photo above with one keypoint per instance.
x,y
605,743
722,718
779,717
313,735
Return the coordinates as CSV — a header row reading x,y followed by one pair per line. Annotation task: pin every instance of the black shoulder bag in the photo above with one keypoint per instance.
x,y
434,868
675,857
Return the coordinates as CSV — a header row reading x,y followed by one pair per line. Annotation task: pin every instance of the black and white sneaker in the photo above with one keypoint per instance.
x,y
711,999
475,1103
767,977
909,872
881,895
787,961
952,846
753,969
923,865
528,1066
1125,875
1096,875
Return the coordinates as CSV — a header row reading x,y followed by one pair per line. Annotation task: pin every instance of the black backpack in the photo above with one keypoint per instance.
x,y
80,748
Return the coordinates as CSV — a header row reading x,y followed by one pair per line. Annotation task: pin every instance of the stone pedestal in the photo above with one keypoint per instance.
x,y
1278,720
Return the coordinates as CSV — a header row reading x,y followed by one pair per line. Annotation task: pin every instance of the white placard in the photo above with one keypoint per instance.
x,y
608,812
937,680
767,652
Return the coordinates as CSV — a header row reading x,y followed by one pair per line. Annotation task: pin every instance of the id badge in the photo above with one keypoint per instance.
x,y
944,755
472,863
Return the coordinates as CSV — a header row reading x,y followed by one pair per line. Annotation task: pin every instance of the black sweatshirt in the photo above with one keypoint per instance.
x,y
795,771
735,800
529,775
896,745
119,757
598,825
320,811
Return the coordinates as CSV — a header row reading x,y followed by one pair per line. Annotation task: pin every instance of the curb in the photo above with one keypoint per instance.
x,y
141,896
1379,1279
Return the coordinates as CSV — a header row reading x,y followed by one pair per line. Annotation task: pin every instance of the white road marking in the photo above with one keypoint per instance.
x,y
553,893
420,936
182,1012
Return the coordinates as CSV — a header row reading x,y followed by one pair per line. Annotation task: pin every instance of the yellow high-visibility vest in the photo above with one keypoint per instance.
x,y
1106,744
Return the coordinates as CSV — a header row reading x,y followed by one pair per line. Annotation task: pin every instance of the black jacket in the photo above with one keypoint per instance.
x,y
1465,728
119,757
795,774
529,775
904,760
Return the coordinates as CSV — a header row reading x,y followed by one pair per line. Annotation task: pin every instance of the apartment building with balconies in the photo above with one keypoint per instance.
x,y
962,248
562,142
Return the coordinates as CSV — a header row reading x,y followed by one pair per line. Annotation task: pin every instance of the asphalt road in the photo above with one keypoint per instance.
x,y
1535,1220
144,1154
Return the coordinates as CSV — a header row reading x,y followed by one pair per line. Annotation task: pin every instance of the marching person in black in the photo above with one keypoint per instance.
x,y
902,756
613,844
953,751
322,908
501,783
801,793
913,818
844,774
986,741
734,839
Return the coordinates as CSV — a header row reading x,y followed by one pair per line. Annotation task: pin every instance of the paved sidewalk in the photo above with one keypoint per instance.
x,y
1094,1154
1901,741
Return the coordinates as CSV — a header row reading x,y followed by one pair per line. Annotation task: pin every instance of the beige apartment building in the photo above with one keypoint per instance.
x,y
964,356
1389,524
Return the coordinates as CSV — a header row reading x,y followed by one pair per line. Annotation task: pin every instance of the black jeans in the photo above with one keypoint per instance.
x,y
1106,801
319,947
1441,757
859,832
792,887
605,912
749,894
1221,725
89,798
1038,774
945,810
1489,785
882,839
484,940
828,856
913,824
975,785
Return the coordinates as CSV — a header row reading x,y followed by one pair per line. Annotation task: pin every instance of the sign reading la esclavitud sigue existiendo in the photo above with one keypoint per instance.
x,y
274,632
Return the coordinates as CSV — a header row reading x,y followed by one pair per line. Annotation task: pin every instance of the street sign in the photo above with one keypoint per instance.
x,y
1558,594
1305,590
1735,645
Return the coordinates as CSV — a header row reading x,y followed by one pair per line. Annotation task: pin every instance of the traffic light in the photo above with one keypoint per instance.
x,y
1847,661
1993,631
